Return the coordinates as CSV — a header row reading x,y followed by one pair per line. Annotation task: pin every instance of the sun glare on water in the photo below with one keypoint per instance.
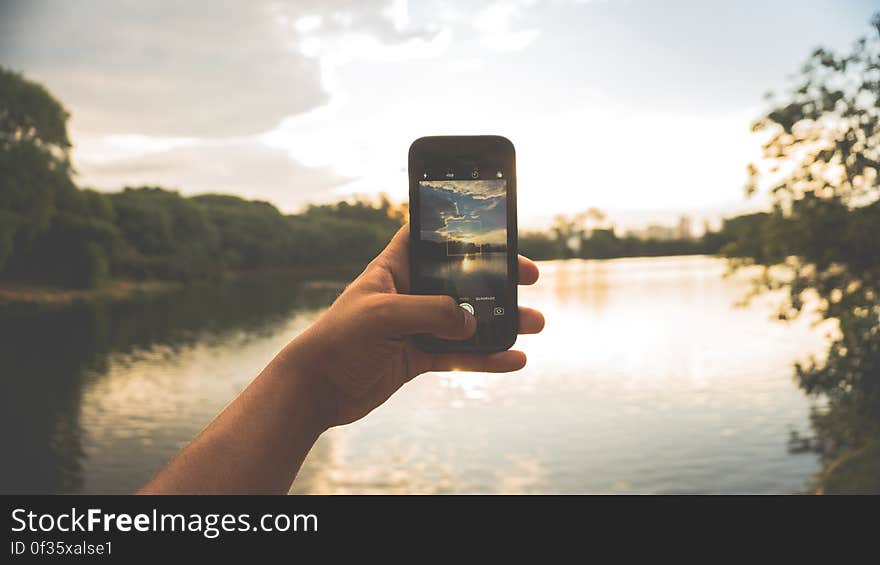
x,y
468,263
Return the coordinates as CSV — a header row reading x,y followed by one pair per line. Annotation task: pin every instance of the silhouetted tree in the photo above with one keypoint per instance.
x,y
824,232
538,246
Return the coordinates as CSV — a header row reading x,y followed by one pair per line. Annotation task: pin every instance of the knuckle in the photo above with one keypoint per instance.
x,y
380,306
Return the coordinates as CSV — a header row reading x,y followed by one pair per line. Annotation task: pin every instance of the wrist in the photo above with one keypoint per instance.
x,y
313,395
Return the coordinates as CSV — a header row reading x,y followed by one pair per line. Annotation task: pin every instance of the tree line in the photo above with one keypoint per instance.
x,y
565,241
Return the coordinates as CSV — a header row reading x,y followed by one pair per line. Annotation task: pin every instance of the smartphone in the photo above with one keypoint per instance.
x,y
463,237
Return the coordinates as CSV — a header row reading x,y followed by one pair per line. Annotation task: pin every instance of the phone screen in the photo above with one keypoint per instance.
x,y
461,249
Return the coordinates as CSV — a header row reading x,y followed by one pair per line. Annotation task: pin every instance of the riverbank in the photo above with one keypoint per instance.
x,y
114,291
118,290
857,472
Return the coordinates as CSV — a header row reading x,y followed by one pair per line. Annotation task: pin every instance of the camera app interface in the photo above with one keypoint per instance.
x,y
463,251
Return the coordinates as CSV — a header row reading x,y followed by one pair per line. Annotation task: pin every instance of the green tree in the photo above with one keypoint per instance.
x,y
168,236
49,230
253,234
34,165
822,159
344,232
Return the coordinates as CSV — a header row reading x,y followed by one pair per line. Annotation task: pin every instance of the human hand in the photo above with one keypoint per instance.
x,y
359,352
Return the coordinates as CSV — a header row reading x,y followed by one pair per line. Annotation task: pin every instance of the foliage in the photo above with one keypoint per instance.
x,y
34,167
168,236
346,232
251,234
822,159
857,472
538,246
49,229
30,114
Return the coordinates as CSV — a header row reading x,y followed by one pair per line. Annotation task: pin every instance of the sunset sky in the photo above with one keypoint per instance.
x,y
471,211
638,107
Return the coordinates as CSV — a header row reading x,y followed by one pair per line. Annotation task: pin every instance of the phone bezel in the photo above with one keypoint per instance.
x,y
461,148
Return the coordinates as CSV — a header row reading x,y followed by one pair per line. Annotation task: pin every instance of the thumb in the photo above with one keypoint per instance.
x,y
404,314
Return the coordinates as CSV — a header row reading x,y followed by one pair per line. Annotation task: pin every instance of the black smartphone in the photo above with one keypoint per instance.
x,y
463,238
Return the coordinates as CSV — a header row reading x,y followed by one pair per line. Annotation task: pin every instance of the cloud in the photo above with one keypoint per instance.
x,y
464,210
244,167
178,93
476,189
196,68
496,24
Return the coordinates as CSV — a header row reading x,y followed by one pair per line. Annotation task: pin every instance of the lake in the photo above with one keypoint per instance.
x,y
647,379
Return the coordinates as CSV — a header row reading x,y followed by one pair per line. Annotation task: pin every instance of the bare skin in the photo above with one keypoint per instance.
x,y
350,361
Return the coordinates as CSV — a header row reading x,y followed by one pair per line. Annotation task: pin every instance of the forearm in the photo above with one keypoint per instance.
x,y
258,442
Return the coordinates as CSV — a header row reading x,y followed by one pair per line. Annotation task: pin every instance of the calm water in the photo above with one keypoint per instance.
x,y
647,379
